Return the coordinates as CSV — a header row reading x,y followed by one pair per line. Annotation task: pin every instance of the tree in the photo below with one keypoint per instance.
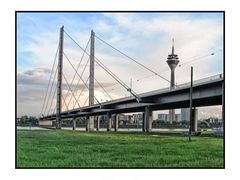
x,y
28,121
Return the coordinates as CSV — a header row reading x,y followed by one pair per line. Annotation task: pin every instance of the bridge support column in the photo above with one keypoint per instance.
x,y
74,123
90,123
116,123
194,120
143,122
87,126
171,115
98,123
148,118
109,121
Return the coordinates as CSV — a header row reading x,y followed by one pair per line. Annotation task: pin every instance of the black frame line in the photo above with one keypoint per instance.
x,y
120,11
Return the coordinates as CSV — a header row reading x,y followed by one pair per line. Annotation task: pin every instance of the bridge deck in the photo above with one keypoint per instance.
x,y
206,92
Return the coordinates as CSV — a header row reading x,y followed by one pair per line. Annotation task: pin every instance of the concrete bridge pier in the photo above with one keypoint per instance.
x,y
148,118
87,126
109,121
194,119
74,123
90,123
171,115
143,122
116,123
98,122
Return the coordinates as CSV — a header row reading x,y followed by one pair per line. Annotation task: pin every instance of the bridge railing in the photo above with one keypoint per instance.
x,y
197,82
200,81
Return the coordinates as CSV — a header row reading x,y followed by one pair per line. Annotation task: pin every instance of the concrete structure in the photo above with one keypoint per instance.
x,y
144,123
98,122
91,76
89,123
91,81
45,123
172,62
59,80
109,121
148,117
115,122
206,92
74,123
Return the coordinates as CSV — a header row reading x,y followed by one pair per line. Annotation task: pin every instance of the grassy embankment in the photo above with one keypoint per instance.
x,y
119,150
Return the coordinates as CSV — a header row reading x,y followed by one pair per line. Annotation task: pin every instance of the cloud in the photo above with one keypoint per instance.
x,y
37,71
31,90
212,111
33,77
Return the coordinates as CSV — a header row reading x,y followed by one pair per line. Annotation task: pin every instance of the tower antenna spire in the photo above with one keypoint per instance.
x,y
172,45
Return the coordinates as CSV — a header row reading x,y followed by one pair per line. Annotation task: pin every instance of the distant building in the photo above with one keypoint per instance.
x,y
213,120
185,114
125,119
163,117
103,119
178,117
121,119
137,118
130,119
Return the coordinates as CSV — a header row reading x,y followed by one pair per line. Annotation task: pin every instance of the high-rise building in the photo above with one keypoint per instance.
x,y
165,117
162,117
185,114
177,117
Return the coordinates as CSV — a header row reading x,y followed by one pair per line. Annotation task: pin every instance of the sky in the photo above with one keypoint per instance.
x,y
146,37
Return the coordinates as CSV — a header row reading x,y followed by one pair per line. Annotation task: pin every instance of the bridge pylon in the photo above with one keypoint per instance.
x,y
90,119
59,80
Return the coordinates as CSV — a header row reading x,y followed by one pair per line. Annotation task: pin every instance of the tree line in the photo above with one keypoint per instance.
x,y
27,121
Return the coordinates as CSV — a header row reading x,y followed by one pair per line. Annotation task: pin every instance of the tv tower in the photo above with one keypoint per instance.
x,y
172,61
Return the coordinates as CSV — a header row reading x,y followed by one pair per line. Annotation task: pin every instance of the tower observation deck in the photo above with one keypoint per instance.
x,y
172,61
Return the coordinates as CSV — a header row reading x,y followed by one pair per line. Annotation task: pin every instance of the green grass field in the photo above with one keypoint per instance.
x,y
116,150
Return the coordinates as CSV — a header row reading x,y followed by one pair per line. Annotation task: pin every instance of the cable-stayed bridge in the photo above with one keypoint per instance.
x,y
205,92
